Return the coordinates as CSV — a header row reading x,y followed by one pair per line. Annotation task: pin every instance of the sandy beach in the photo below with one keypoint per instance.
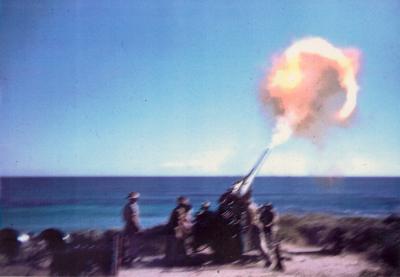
x,y
299,264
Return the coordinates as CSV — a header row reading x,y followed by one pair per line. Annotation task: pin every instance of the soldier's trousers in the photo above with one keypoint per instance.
x,y
261,243
175,252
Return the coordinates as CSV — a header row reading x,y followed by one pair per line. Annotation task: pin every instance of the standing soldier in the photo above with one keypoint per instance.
x,y
254,225
132,226
178,229
269,218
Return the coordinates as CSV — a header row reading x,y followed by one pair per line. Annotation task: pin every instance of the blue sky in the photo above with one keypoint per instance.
x,y
170,87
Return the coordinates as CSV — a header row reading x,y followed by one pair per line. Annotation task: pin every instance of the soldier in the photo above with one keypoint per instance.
x,y
204,213
253,223
131,214
132,226
178,229
268,218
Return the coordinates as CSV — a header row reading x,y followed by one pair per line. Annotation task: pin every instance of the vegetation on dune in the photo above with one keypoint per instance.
x,y
378,239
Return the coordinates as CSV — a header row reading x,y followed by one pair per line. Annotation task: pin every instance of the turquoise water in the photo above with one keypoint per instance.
x,y
73,203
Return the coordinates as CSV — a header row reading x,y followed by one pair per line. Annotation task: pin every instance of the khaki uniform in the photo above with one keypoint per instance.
x,y
179,228
132,226
268,219
257,233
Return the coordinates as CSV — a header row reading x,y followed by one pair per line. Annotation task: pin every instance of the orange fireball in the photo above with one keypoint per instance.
x,y
305,78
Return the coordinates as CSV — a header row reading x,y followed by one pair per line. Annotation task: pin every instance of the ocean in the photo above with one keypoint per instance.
x,y
76,203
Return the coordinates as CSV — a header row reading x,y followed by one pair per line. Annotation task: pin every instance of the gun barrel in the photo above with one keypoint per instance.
x,y
243,186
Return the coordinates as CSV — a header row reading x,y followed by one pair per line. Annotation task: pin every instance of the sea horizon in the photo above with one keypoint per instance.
x,y
75,203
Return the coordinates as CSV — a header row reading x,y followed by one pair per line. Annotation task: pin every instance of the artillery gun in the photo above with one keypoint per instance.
x,y
222,229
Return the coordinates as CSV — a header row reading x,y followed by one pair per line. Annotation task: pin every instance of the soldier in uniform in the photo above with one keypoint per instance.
x,y
268,218
254,226
132,226
178,229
